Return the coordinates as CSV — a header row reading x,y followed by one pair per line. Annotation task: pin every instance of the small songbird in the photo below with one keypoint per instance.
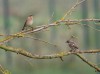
x,y
28,22
72,45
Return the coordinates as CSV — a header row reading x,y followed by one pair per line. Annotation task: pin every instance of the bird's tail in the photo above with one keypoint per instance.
x,y
23,27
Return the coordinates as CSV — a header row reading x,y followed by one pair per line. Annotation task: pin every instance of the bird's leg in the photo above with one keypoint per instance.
x,y
61,58
74,50
31,27
24,27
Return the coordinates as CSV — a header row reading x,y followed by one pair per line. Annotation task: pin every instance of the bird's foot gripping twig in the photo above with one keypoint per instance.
x,y
74,50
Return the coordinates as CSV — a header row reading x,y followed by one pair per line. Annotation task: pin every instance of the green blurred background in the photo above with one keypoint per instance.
x,y
13,14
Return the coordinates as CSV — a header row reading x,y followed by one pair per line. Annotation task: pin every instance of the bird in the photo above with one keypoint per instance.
x,y
28,22
72,45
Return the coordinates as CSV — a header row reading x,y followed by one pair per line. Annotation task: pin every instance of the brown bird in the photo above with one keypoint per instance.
x,y
72,45
28,22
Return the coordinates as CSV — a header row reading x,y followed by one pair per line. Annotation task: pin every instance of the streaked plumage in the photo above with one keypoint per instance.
x,y
72,44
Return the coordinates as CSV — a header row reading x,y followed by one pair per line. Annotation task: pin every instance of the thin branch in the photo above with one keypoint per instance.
x,y
89,63
40,40
30,37
71,10
51,56
1,69
81,20
92,27
4,71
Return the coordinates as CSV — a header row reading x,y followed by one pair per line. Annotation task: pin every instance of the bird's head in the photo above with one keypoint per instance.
x,y
67,41
30,15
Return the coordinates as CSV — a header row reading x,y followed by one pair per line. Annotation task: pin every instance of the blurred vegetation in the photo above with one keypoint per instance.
x,y
12,18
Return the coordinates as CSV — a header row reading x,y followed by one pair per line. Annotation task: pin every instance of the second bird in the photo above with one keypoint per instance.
x,y
28,22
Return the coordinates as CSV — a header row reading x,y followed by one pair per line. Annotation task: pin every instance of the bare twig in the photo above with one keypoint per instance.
x,y
42,41
92,27
4,71
89,63
81,20
71,10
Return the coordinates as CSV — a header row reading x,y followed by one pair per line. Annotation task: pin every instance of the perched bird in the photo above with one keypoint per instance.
x,y
28,22
72,45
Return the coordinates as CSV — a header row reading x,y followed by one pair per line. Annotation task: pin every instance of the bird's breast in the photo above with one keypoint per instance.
x,y
30,22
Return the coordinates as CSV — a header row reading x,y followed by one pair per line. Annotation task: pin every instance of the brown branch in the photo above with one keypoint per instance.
x,y
1,69
51,56
36,56
81,20
30,55
46,42
89,63
71,9
4,71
